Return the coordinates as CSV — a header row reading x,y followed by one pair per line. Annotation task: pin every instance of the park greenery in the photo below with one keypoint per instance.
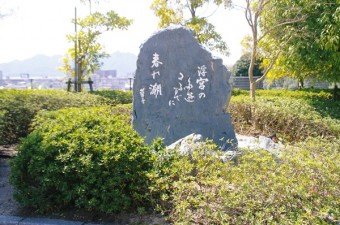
x,y
85,56
19,107
79,150
192,14
241,66
89,157
312,46
296,38
294,115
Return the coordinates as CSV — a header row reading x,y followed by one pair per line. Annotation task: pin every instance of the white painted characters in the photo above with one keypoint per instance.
x,y
155,60
189,95
201,71
155,89
142,94
189,88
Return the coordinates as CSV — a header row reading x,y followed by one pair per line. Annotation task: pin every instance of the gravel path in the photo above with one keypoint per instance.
x,y
8,206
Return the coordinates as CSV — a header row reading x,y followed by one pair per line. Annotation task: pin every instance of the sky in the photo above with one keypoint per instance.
x,y
35,27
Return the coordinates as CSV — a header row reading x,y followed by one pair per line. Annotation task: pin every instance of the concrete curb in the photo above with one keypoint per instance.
x,y
16,220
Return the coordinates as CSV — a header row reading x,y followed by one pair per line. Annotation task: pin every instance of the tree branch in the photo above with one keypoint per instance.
x,y
248,15
303,18
272,62
267,69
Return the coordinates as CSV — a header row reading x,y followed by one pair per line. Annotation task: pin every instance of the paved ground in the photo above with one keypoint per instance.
x,y
15,220
7,204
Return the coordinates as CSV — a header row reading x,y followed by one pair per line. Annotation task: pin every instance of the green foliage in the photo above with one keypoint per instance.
x,y
89,50
305,94
18,107
237,91
84,158
116,96
240,68
311,44
92,159
176,11
299,186
295,115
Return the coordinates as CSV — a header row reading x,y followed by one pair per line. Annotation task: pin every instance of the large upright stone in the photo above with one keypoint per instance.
x,y
179,89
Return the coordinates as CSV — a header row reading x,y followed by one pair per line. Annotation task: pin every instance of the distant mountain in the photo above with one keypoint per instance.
x,y
124,63
42,65
39,65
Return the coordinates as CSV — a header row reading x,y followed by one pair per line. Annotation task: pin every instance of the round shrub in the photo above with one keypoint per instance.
x,y
85,158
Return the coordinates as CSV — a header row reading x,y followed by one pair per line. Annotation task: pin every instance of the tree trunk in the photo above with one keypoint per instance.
x,y
252,90
301,83
80,79
253,107
335,91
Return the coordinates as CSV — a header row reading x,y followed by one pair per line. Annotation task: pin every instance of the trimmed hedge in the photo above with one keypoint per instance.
x,y
18,108
116,96
85,158
294,115
322,94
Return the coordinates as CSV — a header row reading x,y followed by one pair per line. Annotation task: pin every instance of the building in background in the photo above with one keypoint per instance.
x,y
107,79
102,79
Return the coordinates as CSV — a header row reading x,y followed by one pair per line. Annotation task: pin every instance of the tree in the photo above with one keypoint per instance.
x,y
87,52
186,13
313,45
254,11
241,66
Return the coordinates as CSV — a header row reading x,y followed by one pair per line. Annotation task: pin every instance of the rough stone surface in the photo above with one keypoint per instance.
x,y
254,143
187,144
179,89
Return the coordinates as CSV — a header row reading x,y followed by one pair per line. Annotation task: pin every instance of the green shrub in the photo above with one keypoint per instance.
x,y
237,91
85,158
294,118
18,108
322,94
299,186
117,96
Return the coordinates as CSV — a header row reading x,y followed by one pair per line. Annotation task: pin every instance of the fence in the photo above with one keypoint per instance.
x,y
53,83
243,83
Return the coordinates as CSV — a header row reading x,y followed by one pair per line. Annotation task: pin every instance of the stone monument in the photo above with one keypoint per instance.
x,y
180,89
